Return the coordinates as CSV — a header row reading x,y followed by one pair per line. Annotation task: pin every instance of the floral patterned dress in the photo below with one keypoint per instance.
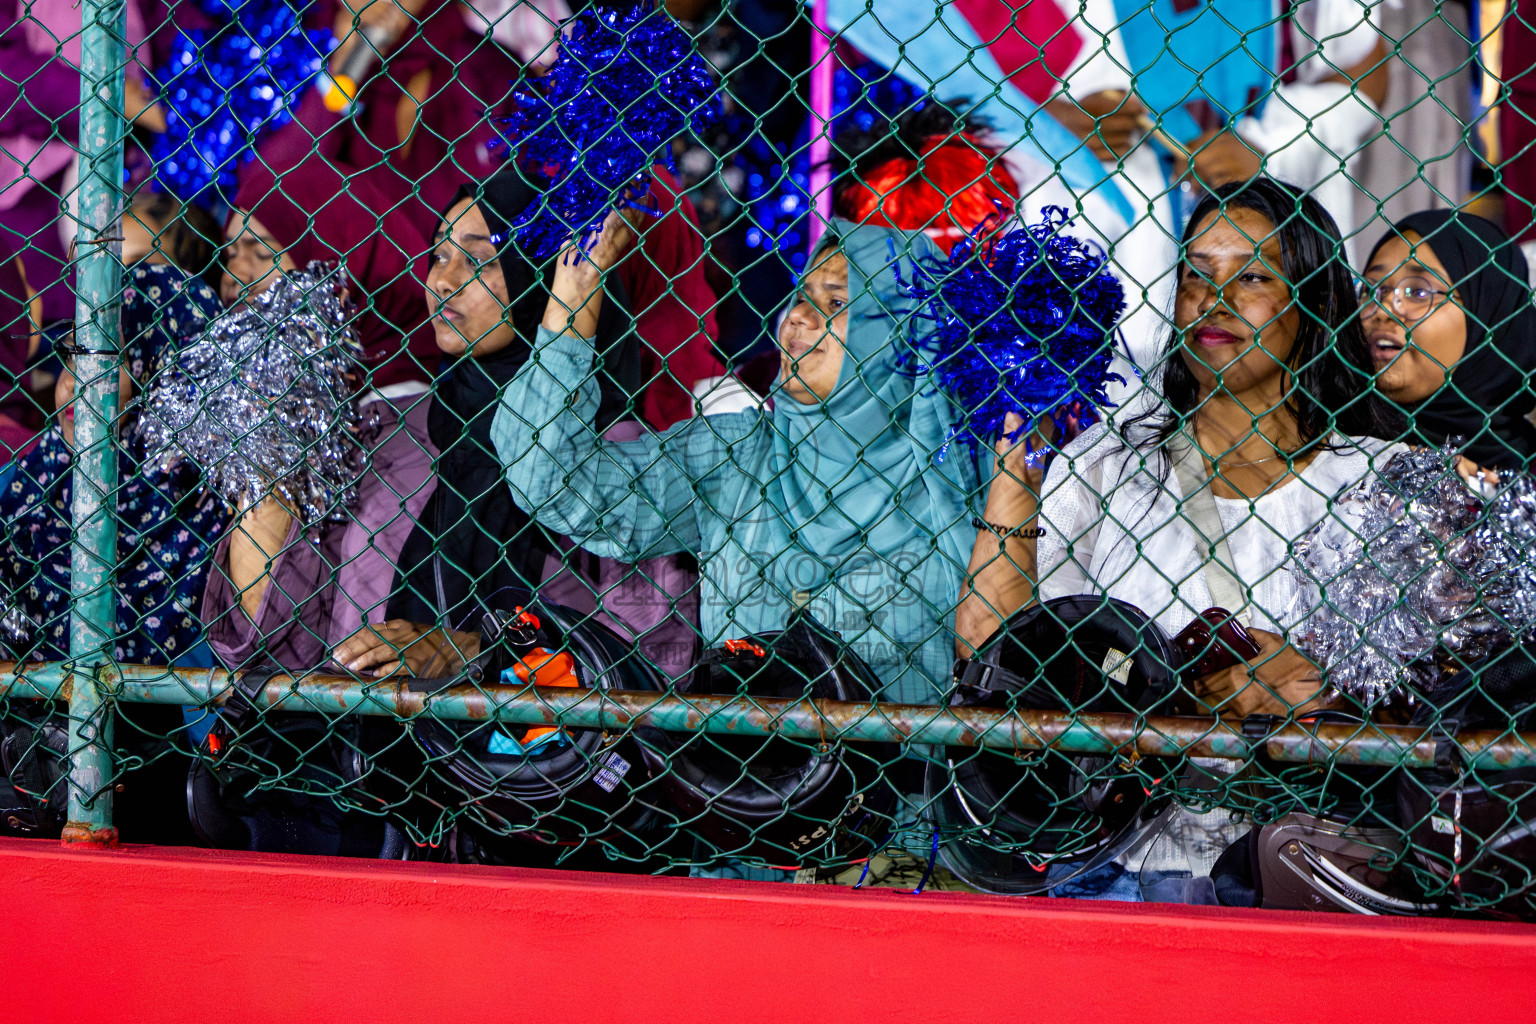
x,y
167,530
168,525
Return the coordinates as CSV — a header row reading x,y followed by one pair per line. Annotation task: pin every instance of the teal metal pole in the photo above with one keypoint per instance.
x,y
1017,731
98,277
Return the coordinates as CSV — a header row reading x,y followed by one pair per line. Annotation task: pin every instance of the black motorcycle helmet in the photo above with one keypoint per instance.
x,y
1009,817
34,753
541,784
1473,832
1303,862
34,746
1351,795
786,802
280,783
146,781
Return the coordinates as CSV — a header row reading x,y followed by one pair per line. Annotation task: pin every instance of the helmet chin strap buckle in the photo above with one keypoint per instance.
x,y
739,647
502,633
1447,750
1256,728
240,713
519,627
974,681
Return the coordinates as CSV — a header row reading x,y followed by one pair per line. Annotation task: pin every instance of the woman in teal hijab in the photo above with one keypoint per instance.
x,y
830,501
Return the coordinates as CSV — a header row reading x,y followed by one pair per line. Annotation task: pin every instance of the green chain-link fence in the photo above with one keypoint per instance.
x,y
378,523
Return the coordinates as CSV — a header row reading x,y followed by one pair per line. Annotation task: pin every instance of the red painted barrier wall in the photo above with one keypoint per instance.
x,y
152,934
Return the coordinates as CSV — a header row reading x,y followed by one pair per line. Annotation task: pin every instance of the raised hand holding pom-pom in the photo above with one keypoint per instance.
x,y
575,298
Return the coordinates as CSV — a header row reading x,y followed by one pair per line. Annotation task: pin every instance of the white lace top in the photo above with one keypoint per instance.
x,y
1112,527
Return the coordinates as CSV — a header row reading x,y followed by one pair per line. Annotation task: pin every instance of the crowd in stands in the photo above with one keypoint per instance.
x,y
595,429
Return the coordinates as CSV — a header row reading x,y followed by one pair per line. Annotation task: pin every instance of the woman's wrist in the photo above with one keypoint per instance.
x,y
1025,467
269,508
1011,501
571,301
1024,530
1020,472
266,523
575,282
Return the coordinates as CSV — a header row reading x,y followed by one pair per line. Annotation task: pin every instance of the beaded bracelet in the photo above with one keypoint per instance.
x,y
1008,531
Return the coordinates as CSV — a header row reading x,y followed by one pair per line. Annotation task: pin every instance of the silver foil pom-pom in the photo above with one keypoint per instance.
x,y
263,402
18,631
1412,568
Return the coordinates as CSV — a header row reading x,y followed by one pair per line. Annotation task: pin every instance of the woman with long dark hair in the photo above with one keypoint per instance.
x,y
1261,413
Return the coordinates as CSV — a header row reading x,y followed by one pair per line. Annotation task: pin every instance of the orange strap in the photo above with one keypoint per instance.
x,y
543,668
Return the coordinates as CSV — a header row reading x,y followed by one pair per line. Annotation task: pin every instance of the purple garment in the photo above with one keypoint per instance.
x,y
39,120
38,91
31,227
21,420
322,591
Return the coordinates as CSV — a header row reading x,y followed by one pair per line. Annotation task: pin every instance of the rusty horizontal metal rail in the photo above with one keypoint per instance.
x,y
822,720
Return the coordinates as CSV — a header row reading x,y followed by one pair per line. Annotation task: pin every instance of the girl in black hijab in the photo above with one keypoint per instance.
x,y
1447,312
475,550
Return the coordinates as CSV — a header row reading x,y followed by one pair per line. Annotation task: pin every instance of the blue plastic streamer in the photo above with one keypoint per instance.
x,y
223,89
626,84
778,187
1025,324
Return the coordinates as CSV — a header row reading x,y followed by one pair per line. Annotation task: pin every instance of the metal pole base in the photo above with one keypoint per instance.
x,y
85,834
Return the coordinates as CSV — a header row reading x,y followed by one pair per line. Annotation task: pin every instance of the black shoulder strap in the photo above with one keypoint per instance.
x,y
240,711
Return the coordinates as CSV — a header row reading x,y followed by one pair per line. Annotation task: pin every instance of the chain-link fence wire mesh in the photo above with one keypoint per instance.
x,y
385,459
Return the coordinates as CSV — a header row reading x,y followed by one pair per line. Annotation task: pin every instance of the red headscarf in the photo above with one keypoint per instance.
x,y
947,193
320,212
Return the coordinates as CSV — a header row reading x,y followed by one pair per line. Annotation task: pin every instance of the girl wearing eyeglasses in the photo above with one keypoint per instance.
x,y
1446,309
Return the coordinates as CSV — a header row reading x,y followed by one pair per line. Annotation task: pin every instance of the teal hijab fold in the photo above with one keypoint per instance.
x,y
858,473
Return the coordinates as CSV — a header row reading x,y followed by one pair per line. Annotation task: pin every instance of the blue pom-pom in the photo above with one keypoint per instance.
x,y
1024,323
223,89
237,10
625,85
778,190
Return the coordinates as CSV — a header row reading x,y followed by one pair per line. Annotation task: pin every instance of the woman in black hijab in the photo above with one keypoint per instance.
x,y
475,550
1447,312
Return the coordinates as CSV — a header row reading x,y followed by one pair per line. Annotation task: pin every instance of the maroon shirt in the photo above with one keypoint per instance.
x,y
673,304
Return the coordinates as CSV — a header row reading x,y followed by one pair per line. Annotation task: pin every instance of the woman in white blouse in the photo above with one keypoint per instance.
x,y
1262,403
